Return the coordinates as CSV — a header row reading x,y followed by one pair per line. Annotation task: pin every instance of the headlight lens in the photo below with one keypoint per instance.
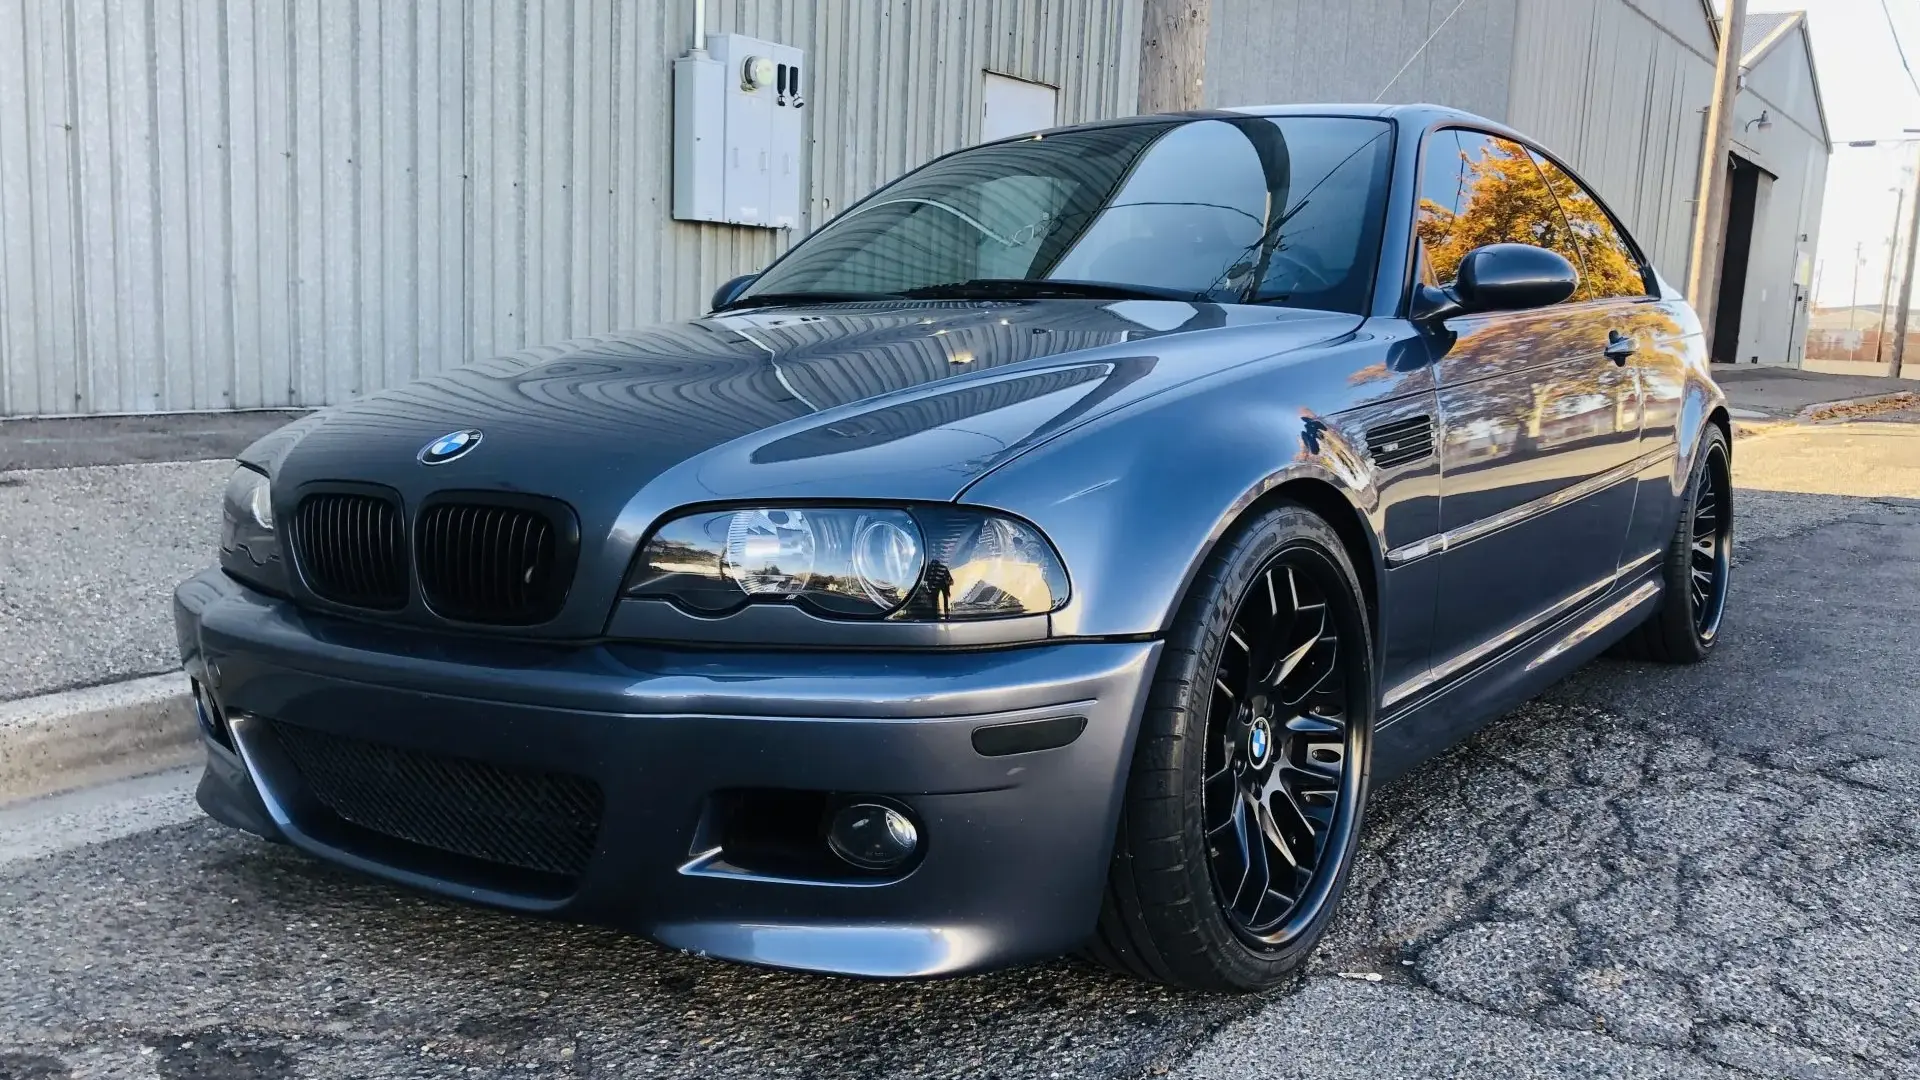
x,y
249,549
921,563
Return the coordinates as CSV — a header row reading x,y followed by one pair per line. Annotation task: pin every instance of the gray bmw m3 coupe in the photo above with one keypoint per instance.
x,y
1048,553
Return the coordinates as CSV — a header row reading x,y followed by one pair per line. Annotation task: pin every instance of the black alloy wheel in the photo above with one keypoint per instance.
x,y
1248,788
1277,749
1696,567
1710,556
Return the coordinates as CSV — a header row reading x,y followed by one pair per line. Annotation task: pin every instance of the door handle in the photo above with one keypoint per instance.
x,y
1619,347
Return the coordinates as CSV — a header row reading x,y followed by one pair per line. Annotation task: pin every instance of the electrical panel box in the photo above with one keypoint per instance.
x,y
738,133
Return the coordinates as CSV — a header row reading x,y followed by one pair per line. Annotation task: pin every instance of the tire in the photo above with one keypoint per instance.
x,y
1686,625
1198,762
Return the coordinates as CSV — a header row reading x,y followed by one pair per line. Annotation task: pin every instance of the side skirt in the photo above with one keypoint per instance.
x,y
1424,728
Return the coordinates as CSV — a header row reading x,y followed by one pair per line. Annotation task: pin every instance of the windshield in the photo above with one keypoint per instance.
x,y
1279,210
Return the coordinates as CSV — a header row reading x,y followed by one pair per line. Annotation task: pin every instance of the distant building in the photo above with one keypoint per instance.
x,y
262,204
1855,333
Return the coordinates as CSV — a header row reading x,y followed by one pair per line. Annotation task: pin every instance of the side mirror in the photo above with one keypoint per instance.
x,y
730,291
1499,277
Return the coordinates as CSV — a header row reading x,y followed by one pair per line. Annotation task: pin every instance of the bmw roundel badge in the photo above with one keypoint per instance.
x,y
449,446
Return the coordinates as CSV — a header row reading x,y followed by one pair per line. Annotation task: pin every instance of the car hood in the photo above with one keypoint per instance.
x,y
896,401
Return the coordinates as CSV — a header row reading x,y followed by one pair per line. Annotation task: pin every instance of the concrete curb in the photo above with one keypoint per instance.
x,y
1869,404
77,738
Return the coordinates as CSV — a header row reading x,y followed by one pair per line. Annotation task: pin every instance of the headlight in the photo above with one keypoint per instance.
x,y
249,550
921,563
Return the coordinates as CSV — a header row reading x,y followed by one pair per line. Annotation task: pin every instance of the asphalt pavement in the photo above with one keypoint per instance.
x,y
88,560
1785,391
1659,872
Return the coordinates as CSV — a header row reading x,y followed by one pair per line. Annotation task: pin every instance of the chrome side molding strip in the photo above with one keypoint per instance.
x,y
1499,642
1473,530
1606,617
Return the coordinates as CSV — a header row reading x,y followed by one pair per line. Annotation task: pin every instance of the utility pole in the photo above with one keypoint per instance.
x,y
1886,288
1173,55
1853,302
1905,296
1709,238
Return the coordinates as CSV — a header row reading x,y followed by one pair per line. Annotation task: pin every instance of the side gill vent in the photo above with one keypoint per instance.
x,y
1401,442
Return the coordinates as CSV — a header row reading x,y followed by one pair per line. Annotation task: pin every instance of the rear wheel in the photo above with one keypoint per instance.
x,y
1249,781
1697,565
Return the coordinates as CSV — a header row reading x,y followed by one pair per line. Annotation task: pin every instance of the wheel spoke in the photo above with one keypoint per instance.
x,y
1707,559
1292,660
1309,724
1300,821
1271,830
1253,845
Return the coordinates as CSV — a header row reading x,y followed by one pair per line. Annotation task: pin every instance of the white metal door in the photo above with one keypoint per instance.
x,y
1015,107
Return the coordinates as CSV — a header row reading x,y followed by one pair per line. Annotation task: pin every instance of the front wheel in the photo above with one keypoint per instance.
x,y
1249,783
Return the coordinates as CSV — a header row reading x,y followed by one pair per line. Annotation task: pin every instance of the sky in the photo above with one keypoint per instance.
x,y
1868,95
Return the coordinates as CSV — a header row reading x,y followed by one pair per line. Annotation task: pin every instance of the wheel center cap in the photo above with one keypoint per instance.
x,y
1259,743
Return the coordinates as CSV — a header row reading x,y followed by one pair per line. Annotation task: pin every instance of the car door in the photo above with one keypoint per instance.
x,y
1619,275
1540,424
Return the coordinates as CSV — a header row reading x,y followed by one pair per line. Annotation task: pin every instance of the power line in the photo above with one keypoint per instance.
x,y
1429,41
1897,47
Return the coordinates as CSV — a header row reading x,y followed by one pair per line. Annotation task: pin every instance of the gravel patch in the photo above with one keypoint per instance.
x,y
88,561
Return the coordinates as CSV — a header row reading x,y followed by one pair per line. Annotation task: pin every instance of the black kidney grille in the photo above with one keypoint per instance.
x,y
490,564
1401,442
351,549
544,822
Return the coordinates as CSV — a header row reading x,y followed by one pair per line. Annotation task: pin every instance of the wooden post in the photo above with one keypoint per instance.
x,y
1173,54
1905,296
1709,209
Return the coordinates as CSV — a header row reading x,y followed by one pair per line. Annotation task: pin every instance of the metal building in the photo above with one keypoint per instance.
x,y
271,203
1619,88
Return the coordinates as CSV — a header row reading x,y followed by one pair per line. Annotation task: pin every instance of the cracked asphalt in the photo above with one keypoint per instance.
x,y
1655,872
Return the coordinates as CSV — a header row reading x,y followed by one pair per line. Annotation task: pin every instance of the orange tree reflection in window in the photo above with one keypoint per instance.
x,y
1611,269
1505,200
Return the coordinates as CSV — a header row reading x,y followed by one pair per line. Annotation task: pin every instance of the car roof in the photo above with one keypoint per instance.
x,y
1416,115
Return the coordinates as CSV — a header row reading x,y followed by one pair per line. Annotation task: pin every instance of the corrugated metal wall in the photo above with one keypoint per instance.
x,y
1773,322
214,204
1619,94
1620,88
1273,51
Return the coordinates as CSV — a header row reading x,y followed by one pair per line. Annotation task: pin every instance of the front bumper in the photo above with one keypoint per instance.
x,y
1015,847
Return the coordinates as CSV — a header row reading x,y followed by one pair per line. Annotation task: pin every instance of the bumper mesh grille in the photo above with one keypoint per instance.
x,y
490,564
544,822
351,550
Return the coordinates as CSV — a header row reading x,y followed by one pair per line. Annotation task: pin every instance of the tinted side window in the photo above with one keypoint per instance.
x,y
1490,192
1612,269
1442,194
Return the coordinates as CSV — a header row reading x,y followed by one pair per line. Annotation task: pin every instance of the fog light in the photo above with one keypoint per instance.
x,y
211,718
872,837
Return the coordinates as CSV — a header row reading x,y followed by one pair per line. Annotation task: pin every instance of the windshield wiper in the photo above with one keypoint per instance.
x,y
1044,288
822,296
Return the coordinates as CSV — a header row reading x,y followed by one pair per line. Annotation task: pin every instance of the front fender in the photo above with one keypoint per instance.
x,y
1136,500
